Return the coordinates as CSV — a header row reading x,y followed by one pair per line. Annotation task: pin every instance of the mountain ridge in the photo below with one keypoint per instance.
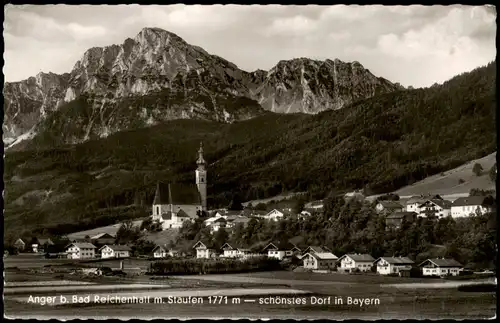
x,y
185,82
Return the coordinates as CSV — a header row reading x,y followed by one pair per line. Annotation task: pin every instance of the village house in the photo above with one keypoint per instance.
x,y
395,220
175,203
387,207
20,244
239,220
115,251
80,250
279,250
102,239
413,204
217,225
204,250
160,252
437,207
275,215
392,265
471,206
316,249
440,267
350,262
229,251
319,260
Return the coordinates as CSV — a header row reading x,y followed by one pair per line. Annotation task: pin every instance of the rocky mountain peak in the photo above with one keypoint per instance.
x,y
158,76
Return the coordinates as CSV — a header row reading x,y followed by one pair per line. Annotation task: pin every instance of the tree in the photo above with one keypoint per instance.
x,y
260,207
220,237
235,203
493,173
127,233
299,205
477,169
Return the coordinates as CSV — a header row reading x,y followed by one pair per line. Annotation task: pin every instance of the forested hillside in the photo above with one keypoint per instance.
x,y
379,144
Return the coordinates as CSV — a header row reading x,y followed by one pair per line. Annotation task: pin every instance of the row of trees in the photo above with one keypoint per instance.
x,y
356,227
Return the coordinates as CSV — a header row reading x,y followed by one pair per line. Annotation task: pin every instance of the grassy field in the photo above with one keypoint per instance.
x,y
447,183
110,229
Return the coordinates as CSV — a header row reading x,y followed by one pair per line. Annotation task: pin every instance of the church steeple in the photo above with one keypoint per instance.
x,y
201,178
200,162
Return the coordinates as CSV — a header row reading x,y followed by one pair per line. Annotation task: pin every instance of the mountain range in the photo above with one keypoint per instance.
x,y
157,76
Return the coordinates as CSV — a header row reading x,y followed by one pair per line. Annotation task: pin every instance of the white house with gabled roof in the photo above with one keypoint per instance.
x,y
349,262
81,250
392,265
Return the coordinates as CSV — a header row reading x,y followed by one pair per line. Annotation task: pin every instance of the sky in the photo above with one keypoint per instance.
x,y
412,45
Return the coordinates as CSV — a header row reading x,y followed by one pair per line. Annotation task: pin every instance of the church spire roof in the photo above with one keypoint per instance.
x,y
200,160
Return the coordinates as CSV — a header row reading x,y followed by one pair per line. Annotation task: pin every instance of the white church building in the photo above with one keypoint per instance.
x,y
175,203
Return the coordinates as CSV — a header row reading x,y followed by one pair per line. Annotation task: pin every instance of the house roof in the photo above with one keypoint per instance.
x,y
102,235
442,262
19,241
400,215
243,249
468,201
177,194
232,213
283,245
359,257
203,245
444,204
116,247
316,249
391,204
396,260
322,255
81,245
182,214
227,246
415,199
159,247
219,220
45,241
241,219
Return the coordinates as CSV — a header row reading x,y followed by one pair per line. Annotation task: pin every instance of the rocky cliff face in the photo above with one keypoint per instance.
x,y
157,76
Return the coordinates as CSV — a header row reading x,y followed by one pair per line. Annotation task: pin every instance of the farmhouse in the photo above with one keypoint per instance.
x,y
115,251
204,250
102,239
392,265
440,267
349,262
437,207
319,260
171,199
388,207
395,220
279,250
80,250
471,206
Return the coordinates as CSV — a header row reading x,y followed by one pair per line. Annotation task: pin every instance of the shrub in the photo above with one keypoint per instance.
x,y
461,181
477,169
212,266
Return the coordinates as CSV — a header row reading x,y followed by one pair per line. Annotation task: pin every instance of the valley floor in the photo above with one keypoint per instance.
x,y
249,296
